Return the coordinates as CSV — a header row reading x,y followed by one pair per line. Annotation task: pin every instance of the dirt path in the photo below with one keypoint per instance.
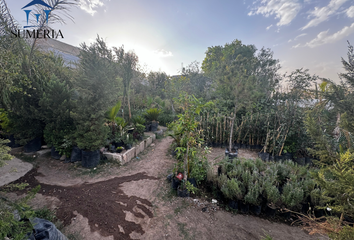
x,y
135,202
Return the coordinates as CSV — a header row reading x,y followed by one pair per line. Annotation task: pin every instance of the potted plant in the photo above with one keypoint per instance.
x,y
291,197
128,142
119,149
96,89
152,115
253,197
182,190
272,196
232,190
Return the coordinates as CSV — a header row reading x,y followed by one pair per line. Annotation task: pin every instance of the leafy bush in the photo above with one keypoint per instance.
x,y
165,118
4,156
232,189
292,195
152,114
138,120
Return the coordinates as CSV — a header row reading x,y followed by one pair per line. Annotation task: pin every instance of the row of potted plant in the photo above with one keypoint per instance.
x,y
254,185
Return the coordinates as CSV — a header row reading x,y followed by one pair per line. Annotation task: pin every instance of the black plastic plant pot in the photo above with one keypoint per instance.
x,y
288,156
182,193
128,146
119,150
243,146
271,158
76,154
264,156
256,209
33,146
154,126
308,161
278,158
170,177
305,207
192,181
148,128
118,144
227,153
300,161
174,152
113,149
270,212
233,204
12,143
55,154
219,170
244,207
175,183
319,213
90,159
248,146
232,155
285,214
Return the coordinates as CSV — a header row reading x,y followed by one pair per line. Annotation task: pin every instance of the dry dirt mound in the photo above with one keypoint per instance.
x,y
104,204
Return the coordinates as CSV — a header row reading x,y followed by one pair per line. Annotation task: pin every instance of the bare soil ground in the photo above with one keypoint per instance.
x,y
134,201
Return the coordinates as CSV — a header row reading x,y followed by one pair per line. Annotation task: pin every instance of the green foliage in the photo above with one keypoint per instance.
x,y
337,183
96,84
165,118
232,189
138,120
292,195
10,226
56,105
152,114
346,233
112,113
4,156
254,193
4,120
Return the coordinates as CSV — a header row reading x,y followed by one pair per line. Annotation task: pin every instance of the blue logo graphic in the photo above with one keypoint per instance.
x,y
35,2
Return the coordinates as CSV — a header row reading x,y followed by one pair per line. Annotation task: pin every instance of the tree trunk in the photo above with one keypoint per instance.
x,y
130,114
232,128
123,101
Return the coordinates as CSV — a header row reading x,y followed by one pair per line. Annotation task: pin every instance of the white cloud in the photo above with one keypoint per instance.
x,y
284,10
296,46
90,5
320,15
350,12
271,25
323,37
163,53
299,36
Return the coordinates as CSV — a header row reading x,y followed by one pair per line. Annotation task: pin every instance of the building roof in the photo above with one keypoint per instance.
x,y
69,53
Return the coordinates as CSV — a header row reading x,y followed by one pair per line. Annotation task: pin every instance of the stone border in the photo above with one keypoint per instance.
x,y
131,153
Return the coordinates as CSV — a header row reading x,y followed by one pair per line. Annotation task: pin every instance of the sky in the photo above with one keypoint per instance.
x,y
310,34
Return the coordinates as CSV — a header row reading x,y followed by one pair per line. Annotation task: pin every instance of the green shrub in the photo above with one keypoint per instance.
x,y
165,118
138,120
253,194
232,189
292,195
152,114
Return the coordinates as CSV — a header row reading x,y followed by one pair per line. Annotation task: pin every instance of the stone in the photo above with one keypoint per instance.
x,y
113,156
62,158
13,170
44,151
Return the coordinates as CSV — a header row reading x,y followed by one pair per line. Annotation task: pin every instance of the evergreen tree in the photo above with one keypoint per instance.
x,y
56,105
97,86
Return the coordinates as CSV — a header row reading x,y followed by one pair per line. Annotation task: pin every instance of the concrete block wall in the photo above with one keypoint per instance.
x,y
139,148
131,153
